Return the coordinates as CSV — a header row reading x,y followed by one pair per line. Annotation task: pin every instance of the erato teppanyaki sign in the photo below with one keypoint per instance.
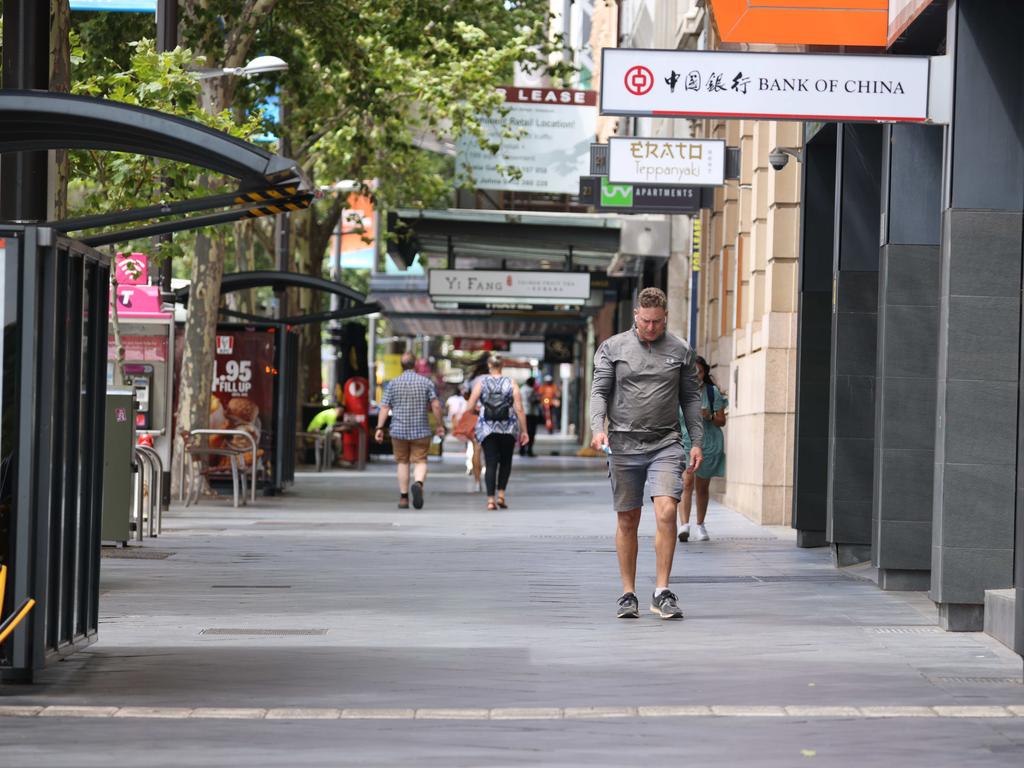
x,y
779,86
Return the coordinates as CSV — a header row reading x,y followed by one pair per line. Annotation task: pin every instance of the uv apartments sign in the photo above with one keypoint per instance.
x,y
779,86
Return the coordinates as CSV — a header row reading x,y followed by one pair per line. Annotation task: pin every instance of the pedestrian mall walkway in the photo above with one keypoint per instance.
x,y
327,627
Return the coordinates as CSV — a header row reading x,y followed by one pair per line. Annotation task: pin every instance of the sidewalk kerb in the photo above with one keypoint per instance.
x,y
59,710
14,710
753,711
897,711
815,711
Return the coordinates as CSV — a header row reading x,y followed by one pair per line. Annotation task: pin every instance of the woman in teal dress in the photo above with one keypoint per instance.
x,y
712,407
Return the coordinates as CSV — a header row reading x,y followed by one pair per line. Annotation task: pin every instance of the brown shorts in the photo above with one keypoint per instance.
x,y
414,451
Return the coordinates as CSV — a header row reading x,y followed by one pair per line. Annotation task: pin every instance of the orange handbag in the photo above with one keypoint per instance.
x,y
465,426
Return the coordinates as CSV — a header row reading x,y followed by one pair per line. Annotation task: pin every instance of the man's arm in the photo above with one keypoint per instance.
x,y
689,401
435,406
382,417
600,393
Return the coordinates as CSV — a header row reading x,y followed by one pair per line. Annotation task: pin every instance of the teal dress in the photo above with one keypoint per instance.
x,y
714,440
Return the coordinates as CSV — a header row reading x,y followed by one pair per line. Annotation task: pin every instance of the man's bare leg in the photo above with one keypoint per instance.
x,y
626,547
403,478
420,471
664,540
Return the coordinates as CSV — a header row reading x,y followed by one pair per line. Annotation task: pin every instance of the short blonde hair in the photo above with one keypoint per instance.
x,y
494,362
652,298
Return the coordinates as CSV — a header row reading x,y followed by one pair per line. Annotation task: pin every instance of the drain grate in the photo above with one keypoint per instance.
x,y
908,630
134,553
834,578
976,680
263,632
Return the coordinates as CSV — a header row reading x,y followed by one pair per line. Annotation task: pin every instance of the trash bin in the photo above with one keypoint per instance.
x,y
118,464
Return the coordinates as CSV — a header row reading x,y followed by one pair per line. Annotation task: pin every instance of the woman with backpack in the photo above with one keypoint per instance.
x,y
502,424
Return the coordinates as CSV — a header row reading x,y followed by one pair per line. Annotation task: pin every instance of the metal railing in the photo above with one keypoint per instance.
x,y
188,470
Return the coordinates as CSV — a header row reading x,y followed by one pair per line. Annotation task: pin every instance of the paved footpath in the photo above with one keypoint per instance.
x,y
329,628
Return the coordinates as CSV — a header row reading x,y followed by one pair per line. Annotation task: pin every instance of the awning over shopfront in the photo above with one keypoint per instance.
x,y
407,306
605,245
517,239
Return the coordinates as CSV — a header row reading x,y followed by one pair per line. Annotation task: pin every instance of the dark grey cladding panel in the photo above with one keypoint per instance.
x,y
910,275
912,184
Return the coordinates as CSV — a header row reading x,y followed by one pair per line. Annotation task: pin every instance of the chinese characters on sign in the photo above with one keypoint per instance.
x,y
792,86
695,162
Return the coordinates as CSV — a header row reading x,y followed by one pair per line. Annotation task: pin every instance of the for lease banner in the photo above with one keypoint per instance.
x,y
553,130
782,86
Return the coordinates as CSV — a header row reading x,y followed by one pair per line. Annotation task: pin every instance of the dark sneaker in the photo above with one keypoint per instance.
x,y
629,607
403,502
417,495
666,605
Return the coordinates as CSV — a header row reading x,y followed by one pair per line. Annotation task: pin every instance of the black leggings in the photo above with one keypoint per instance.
x,y
498,450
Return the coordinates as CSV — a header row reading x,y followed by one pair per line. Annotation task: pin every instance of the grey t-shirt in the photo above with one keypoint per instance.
x,y
639,387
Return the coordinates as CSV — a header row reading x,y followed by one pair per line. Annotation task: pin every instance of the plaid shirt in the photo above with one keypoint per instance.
x,y
409,396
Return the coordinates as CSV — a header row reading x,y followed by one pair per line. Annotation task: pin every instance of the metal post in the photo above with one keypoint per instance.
x,y
26,65
334,326
166,40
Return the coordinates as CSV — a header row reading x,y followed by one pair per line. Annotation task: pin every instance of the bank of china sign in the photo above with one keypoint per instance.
x,y
463,287
782,86
693,162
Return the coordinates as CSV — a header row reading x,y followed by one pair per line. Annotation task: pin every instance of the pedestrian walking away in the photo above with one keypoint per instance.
x,y
642,379
501,425
531,406
713,404
407,400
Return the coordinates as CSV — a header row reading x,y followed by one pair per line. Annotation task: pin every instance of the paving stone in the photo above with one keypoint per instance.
x,y
441,713
594,712
748,711
812,711
77,711
14,710
897,711
229,713
526,713
155,713
378,714
673,711
976,711
298,713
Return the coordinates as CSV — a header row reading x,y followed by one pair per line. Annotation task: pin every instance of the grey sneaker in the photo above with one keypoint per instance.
x,y
666,605
629,607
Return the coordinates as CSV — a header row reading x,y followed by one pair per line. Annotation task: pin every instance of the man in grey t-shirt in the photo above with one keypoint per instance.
x,y
641,379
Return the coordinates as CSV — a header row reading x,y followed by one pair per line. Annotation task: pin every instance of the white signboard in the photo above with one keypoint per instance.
x,y
554,151
693,162
782,86
474,286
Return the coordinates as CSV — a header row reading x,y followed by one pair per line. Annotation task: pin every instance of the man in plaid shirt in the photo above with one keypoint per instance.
x,y
407,399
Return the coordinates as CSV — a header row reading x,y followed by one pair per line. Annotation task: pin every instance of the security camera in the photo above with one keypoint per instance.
x,y
779,157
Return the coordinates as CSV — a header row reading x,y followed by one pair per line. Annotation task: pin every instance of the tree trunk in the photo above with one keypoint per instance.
x,y
196,381
245,261
60,82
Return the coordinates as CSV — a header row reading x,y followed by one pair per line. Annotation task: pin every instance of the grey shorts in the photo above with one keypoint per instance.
x,y
661,470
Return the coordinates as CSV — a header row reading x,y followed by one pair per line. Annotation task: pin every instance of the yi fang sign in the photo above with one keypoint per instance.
x,y
781,86
694,162
465,287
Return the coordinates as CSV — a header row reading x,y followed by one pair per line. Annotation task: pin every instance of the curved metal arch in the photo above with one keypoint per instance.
x,y
41,120
240,281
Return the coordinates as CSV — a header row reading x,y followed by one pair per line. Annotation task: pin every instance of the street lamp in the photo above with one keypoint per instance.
x,y
258,66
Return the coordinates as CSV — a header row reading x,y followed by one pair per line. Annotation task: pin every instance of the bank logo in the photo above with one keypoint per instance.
x,y
639,80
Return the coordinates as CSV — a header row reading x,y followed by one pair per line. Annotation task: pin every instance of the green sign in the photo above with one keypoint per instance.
x,y
616,195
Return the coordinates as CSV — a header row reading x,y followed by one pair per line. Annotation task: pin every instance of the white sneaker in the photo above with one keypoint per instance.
x,y
700,534
684,532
